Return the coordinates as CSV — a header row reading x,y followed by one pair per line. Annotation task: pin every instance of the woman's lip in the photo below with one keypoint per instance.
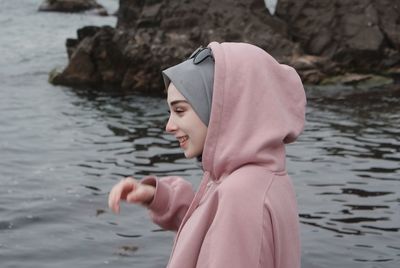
x,y
182,144
182,140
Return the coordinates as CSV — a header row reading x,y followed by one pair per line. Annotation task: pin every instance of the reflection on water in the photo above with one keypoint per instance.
x,y
347,178
62,150
345,168
138,141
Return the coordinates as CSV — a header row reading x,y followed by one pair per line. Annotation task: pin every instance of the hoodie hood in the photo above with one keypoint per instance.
x,y
258,106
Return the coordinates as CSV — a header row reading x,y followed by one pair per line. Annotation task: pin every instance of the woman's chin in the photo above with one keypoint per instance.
x,y
190,154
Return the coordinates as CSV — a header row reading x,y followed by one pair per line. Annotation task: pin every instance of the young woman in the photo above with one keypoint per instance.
x,y
234,108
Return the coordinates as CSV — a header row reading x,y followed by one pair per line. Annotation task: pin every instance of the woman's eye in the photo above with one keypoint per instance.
x,y
179,110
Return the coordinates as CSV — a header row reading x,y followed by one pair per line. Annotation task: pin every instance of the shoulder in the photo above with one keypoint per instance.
x,y
246,186
251,178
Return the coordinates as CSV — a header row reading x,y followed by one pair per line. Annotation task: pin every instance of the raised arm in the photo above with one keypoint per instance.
x,y
167,198
172,198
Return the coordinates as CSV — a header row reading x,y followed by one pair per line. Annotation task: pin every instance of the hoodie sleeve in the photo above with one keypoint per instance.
x,y
172,199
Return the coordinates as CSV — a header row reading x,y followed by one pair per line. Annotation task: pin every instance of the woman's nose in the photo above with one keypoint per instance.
x,y
170,127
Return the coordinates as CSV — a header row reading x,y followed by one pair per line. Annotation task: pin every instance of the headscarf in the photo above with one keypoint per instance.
x,y
194,79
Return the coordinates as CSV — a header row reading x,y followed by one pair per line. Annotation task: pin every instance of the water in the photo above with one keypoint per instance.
x,y
61,150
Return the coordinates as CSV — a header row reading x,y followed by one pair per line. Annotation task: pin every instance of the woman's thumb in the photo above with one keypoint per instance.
x,y
138,195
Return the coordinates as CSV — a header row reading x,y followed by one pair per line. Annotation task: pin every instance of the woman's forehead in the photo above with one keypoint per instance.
x,y
173,94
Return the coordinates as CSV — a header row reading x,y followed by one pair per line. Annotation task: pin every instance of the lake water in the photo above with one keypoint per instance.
x,y
61,150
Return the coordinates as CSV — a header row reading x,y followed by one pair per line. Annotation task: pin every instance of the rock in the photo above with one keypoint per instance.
x,y
375,81
152,35
354,34
73,6
81,69
394,73
53,73
312,76
365,81
320,38
95,59
352,79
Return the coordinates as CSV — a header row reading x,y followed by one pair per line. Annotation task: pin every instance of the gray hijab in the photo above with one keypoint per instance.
x,y
195,83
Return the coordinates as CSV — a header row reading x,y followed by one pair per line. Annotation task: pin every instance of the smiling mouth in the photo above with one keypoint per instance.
x,y
182,140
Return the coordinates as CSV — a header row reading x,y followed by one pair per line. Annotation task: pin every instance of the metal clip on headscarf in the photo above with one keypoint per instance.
x,y
200,54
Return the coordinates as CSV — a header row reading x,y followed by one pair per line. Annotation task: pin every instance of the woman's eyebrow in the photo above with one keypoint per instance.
x,y
172,103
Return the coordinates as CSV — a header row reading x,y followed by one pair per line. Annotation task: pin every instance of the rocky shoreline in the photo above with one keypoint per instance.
x,y
73,6
327,41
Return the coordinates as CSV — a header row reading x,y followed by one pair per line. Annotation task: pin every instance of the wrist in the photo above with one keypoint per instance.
x,y
150,185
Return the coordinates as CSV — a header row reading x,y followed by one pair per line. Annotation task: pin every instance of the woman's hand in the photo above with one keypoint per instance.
x,y
131,191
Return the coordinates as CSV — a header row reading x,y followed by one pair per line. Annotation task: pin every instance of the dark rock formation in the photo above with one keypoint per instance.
x,y
73,6
357,34
319,38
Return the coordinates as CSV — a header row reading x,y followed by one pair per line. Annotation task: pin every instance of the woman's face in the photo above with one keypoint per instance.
x,y
184,124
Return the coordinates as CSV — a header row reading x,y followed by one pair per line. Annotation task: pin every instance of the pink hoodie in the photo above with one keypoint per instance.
x,y
245,212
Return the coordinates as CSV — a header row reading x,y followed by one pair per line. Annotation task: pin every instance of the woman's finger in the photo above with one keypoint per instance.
x,y
120,191
143,194
113,202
